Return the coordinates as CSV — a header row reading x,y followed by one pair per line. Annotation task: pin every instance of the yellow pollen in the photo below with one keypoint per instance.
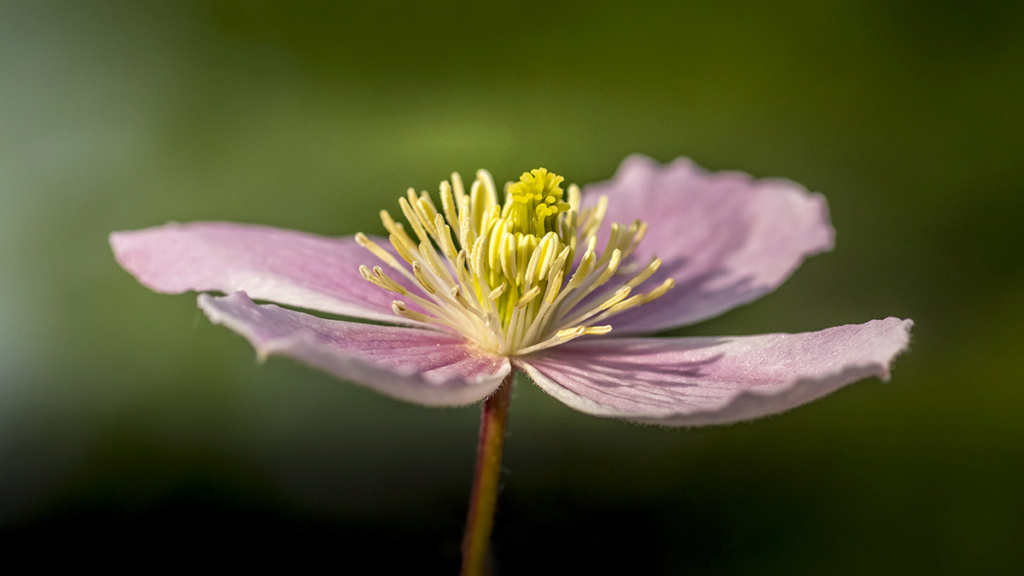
x,y
503,275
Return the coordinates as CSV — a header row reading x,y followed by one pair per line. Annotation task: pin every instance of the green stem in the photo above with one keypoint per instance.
x,y
480,521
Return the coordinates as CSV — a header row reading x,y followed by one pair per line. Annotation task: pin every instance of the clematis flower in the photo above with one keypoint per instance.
x,y
555,283
545,281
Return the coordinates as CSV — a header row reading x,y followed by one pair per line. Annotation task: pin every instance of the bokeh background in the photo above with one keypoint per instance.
x,y
126,416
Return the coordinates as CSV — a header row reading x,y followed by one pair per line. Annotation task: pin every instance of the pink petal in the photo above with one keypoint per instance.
x,y
283,266
697,381
724,237
418,365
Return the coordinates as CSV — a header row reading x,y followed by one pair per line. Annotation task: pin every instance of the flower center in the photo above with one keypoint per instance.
x,y
506,279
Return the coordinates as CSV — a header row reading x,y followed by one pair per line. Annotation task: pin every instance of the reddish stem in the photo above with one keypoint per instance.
x,y
480,521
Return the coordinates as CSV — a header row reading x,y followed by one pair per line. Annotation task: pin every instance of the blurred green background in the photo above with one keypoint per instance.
x,y
126,415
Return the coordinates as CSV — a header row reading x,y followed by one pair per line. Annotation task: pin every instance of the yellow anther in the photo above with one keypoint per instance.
x,y
402,248
528,296
422,278
377,251
570,333
497,292
399,308
645,273
507,250
444,238
658,292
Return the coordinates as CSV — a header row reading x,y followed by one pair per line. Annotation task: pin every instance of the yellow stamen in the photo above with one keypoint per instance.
x,y
497,274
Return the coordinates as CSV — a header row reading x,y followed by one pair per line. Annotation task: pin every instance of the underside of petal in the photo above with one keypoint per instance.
x,y
417,365
293,268
700,381
725,238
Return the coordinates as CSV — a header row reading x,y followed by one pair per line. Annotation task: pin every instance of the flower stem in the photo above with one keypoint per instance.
x,y
480,521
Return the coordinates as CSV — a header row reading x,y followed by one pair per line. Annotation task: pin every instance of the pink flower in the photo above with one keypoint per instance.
x,y
465,307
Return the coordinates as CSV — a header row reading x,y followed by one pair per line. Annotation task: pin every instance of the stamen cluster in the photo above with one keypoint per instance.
x,y
505,278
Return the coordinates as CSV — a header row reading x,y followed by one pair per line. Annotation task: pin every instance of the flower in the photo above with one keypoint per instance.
x,y
544,284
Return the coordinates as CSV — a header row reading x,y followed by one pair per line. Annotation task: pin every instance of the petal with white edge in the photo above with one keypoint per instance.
x,y
699,381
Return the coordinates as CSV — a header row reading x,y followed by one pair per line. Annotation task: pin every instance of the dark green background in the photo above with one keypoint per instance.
x,y
125,415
